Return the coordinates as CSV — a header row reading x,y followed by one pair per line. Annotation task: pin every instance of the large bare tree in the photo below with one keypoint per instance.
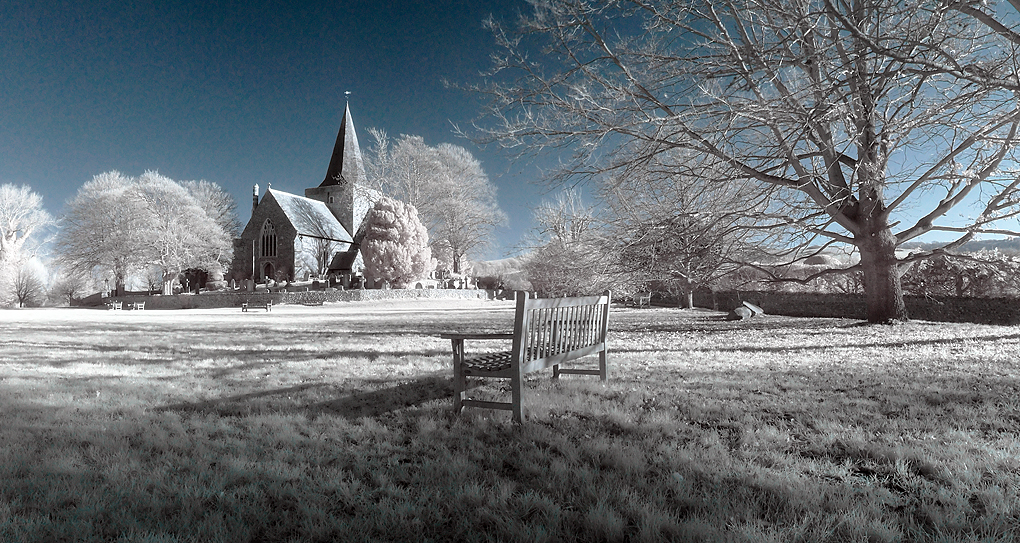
x,y
869,120
678,233
570,251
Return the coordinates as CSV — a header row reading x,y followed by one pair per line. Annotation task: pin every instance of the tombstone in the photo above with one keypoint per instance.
x,y
755,310
233,284
740,313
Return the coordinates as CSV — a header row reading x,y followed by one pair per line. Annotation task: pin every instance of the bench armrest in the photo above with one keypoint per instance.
x,y
501,335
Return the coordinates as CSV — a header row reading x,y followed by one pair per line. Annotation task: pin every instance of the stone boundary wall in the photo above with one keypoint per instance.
x,y
803,304
214,299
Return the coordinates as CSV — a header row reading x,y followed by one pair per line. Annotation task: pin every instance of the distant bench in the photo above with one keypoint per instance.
x,y
546,333
268,305
120,305
643,299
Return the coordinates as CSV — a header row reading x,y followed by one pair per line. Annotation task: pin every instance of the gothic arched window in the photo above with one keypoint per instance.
x,y
268,239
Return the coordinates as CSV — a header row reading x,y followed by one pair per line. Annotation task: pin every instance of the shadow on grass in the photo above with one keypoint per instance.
x,y
307,399
377,402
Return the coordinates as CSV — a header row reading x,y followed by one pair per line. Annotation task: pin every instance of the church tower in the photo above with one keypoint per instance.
x,y
345,177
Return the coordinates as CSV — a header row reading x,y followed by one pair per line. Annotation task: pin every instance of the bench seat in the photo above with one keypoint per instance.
x,y
489,363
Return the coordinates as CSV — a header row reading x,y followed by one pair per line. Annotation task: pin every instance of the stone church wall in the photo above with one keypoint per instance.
x,y
210,300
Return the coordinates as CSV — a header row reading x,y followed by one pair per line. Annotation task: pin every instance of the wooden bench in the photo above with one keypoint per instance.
x,y
547,332
268,305
643,299
114,305
136,305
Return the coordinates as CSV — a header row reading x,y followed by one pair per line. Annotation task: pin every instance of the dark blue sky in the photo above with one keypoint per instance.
x,y
237,92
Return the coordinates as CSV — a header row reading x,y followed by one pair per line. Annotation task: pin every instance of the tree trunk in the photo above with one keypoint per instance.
x,y
690,298
882,289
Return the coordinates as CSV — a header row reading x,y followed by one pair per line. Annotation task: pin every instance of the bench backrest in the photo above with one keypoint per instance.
x,y
548,331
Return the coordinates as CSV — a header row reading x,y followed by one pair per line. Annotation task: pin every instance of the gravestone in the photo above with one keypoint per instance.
x,y
739,314
755,310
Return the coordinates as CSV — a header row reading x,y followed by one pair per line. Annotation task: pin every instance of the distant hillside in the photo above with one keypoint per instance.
x,y
1008,246
493,268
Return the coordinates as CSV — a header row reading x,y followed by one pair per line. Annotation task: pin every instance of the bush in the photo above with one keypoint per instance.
x,y
396,246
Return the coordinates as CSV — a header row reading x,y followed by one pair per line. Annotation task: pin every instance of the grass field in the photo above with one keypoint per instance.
x,y
333,424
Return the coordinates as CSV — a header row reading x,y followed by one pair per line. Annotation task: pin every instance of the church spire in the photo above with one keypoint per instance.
x,y
346,166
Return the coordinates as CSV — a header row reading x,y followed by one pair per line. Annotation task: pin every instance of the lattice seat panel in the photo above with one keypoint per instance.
x,y
500,361
489,362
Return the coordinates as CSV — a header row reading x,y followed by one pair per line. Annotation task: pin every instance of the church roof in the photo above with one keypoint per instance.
x,y
343,261
310,217
346,165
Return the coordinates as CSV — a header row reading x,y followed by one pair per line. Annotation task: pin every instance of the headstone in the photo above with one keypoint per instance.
x,y
755,310
739,314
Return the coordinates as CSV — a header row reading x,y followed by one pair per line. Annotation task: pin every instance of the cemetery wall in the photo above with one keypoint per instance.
x,y
851,306
213,299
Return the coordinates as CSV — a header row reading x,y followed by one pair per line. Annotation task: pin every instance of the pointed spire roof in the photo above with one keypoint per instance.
x,y
346,165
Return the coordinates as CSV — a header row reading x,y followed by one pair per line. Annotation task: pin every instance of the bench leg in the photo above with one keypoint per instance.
x,y
459,381
604,365
516,384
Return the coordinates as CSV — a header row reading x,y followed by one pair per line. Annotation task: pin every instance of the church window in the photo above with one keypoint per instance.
x,y
268,239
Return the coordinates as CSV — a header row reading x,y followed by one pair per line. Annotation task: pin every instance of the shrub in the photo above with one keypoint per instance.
x,y
396,246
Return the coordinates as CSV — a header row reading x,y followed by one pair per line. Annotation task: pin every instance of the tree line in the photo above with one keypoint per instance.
x,y
115,227
861,123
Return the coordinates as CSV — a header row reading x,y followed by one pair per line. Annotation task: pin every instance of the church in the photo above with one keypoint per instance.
x,y
291,237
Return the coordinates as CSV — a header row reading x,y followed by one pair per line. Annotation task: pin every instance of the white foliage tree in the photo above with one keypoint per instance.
x,y
119,226
447,185
396,245
178,231
22,219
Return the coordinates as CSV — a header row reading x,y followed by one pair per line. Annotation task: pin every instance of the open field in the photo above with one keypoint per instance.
x,y
333,423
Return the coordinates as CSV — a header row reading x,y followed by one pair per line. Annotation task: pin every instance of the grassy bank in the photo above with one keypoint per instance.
x,y
332,424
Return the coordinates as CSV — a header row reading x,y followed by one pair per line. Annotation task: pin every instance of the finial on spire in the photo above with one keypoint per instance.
x,y
347,96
